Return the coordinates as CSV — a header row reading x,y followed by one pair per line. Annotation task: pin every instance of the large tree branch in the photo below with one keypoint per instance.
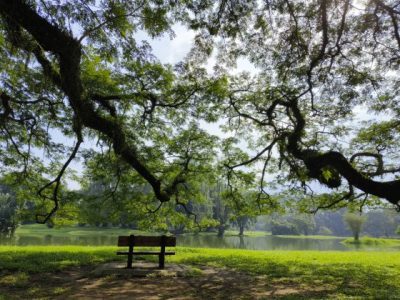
x,y
68,50
337,163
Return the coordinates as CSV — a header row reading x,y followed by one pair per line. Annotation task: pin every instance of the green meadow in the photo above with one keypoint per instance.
x,y
342,274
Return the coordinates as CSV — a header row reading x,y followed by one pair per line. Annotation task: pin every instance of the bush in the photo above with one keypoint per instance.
x,y
283,229
325,231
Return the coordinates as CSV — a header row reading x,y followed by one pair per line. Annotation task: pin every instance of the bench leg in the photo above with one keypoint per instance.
x,y
130,255
161,260
129,265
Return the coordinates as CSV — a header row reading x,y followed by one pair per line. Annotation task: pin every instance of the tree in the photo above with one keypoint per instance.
x,y
305,224
355,223
318,62
221,212
8,214
333,220
293,224
75,68
381,222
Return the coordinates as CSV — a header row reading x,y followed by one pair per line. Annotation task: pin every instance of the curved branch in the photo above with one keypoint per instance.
x,y
53,39
336,162
57,182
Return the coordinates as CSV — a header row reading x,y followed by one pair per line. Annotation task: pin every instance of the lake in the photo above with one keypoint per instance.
x,y
267,242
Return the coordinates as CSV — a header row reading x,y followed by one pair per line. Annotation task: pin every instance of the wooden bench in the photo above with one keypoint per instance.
x,y
146,241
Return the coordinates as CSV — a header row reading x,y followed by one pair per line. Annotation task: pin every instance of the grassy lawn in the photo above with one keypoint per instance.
x,y
341,274
312,237
368,241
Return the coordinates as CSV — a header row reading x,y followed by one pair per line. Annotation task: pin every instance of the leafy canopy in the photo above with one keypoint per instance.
x,y
76,69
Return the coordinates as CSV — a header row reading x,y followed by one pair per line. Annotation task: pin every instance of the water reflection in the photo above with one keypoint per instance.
x,y
202,241
260,243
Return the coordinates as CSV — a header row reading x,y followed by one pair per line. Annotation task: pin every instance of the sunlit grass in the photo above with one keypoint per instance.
x,y
362,274
52,258
368,241
312,237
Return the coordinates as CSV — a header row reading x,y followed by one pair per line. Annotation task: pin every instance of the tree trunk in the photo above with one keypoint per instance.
x,y
356,236
221,230
241,229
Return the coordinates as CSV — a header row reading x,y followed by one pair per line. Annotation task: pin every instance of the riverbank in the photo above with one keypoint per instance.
x,y
336,274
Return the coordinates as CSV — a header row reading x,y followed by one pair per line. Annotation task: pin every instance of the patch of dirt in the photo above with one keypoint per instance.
x,y
201,283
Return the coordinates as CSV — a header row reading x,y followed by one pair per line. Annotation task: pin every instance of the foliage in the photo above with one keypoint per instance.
x,y
381,223
8,214
355,223
312,78
283,229
293,224
333,220
325,231
294,114
142,112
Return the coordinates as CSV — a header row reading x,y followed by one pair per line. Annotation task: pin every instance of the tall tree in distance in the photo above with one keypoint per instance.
x,y
355,223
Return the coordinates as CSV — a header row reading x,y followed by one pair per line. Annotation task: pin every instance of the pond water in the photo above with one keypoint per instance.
x,y
268,242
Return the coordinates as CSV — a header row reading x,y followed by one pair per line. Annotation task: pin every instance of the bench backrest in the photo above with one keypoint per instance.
x,y
150,241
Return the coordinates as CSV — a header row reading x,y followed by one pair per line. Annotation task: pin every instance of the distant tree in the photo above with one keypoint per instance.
x,y
221,211
304,223
355,223
293,223
398,230
283,228
333,220
381,222
8,214
243,222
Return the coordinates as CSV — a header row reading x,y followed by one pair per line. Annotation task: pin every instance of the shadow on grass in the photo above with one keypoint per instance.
x,y
282,276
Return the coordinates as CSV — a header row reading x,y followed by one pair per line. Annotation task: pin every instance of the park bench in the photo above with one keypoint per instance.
x,y
146,241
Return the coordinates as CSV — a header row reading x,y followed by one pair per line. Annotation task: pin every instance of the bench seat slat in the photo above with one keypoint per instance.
x,y
149,241
144,253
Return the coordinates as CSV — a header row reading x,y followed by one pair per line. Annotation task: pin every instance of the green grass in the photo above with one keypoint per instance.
x,y
343,274
368,241
38,259
247,233
313,237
